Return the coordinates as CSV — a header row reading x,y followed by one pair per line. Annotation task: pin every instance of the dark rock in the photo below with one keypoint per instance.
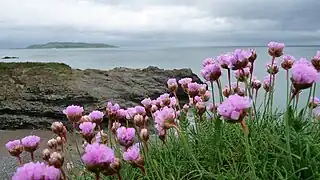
x,y
10,57
33,95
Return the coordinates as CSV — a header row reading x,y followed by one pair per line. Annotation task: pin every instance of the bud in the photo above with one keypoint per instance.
x,y
201,108
46,154
56,160
226,91
314,102
212,107
256,84
316,63
59,141
154,108
206,96
253,56
186,108
115,126
138,120
172,85
242,74
202,89
272,69
287,62
275,49
57,128
146,120
144,134
85,119
52,144
113,168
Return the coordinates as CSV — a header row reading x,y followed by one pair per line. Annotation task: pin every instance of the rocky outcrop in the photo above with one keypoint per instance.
x,y
33,95
10,57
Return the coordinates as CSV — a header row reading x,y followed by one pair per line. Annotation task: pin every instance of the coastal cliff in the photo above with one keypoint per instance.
x,y
33,95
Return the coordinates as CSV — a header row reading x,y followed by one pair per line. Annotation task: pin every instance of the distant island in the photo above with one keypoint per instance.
x,y
60,45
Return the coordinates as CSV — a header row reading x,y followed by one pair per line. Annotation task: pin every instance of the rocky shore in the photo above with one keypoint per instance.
x,y
33,95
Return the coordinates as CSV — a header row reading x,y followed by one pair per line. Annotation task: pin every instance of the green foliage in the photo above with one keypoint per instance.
x,y
197,154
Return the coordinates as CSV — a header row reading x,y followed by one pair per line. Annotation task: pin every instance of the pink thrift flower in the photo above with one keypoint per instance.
x,y
96,156
74,113
11,145
87,127
193,89
14,147
242,74
287,62
234,108
30,143
96,116
197,99
132,154
173,102
208,61
36,171
314,102
140,110
224,61
172,84
126,136
240,59
184,82
266,83
164,99
303,75
131,112
165,117
112,109
256,84
211,72
272,69
206,96
275,49
147,103
121,114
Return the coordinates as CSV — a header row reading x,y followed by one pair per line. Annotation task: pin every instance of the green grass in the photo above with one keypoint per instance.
x,y
201,156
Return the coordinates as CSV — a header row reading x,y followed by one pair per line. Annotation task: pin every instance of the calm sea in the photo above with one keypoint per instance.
x,y
167,58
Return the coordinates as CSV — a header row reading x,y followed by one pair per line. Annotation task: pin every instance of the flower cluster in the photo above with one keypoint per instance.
x,y
36,171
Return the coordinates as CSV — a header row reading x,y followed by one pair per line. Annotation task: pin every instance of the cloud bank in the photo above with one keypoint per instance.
x,y
162,22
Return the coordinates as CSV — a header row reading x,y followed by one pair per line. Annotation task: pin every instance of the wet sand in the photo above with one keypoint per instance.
x,y
8,164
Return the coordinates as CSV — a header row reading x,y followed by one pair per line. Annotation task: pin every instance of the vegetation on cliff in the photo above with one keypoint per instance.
x,y
61,45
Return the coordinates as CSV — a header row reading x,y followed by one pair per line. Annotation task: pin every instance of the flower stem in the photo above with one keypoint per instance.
x,y
271,94
32,156
64,177
313,95
220,91
20,160
213,101
97,176
248,153
287,126
306,108
229,79
271,83
175,95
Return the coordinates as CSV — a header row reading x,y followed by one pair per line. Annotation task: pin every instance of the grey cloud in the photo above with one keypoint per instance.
x,y
214,22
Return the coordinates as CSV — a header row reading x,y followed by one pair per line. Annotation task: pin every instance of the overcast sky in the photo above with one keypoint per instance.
x,y
159,22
